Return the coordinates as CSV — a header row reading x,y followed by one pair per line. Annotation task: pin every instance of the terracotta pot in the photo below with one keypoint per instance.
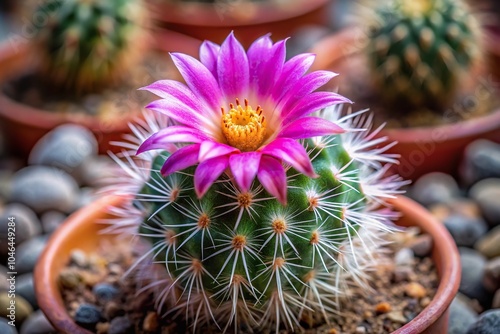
x,y
422,149
81,231
249,20
24,125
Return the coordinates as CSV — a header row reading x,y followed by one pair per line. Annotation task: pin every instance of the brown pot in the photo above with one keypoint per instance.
x,y
24,125
81,231
248,19
422,149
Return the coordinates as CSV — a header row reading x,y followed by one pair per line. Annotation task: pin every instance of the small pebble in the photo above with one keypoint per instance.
x,y
421,245
397,316
105,292
487,323
27,224
5,328
112,310
28,254
496,300
487,194
481,161
51,220
360,330
471,283
70,278
415,290
151,323
25,288
37,323
425,301
102,327
489,244
120,325
461,316
404,257
465,230
383,307
402,274
22,309
87,316
96,171
435,188
79,258
491,278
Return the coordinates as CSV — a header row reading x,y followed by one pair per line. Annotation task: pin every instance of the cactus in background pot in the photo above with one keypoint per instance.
x,y
262,202
419,49
88,44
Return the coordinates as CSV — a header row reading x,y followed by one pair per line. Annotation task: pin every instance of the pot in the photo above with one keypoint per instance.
x,y
24,125
422,149
81,231
249,20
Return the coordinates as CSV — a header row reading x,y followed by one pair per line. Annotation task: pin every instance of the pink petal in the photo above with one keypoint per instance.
x,y
244,167
171,89
312,103
172,134
232,69
308,127
199,80
273,178
181,159
178,112
292,71
209,52
210,149
292,152
207,172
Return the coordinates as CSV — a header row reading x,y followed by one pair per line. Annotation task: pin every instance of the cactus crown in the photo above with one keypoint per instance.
x,y
88,44
419,49
260,235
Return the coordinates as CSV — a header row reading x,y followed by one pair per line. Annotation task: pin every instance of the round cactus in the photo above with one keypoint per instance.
x,y
419,49
87,44
264,214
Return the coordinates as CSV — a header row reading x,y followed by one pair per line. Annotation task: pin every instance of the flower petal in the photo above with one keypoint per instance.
x,y
171,89
292,71
178,112
207,172
232,69
210,149
314,102
292,152
308,127
209,52
180,159
244,167
199,80
273,178
171,134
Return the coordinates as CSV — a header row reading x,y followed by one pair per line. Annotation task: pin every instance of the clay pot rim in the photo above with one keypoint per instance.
x,y
160,40
207,14
51,303
336,47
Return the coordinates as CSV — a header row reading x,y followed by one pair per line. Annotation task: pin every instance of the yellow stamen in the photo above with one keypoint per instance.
x,y
243,127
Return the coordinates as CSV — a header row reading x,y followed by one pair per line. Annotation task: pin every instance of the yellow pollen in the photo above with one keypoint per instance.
x,y
243,127
279,226
239,242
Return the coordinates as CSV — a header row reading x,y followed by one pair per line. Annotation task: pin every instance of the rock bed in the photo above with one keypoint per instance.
x,y
100,299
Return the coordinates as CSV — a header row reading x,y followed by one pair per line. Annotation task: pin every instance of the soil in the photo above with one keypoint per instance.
x,y
399,294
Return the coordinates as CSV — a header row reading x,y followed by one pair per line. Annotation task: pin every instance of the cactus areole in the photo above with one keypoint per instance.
x,y
262,200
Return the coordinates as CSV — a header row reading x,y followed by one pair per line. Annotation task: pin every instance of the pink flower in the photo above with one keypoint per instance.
x,y
242,112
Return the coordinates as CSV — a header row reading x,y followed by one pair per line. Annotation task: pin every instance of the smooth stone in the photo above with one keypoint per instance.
x,y
37,323
465,230
491,279
27,225
434,188
105,292
87,316
489,244
404,257
23,309
85,197
461,316
496,300
51,220
96,171
65,147
25,287
481,161
421,245
28,253
44,188
5,183
120,325
5,328
79,258
471,283
4,284
487,323
487,195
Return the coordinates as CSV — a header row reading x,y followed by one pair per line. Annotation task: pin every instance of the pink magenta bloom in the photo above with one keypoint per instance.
x,y
242,112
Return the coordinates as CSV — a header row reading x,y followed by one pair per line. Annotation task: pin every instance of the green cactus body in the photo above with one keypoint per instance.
x,y
419,50
242,255
87,44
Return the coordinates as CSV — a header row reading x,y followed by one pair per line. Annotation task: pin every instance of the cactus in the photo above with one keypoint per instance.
x,y
88,44
260,215
419,50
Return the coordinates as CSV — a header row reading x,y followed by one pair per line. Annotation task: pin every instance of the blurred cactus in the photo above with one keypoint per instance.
x,y
420,49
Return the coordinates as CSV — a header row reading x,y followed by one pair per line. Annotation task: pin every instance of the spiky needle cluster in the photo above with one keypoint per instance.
x,y
88,44
419,50
268,213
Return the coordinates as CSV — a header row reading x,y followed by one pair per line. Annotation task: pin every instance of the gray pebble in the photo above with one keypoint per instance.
x,y
5,328
95,171
404,257
471,284
79,258
461,316
120,325
51,220
65,147
422,245
4,284
434,188
87,316
28,253
487,323
22,308
37,323
465,230
26,223
489,244
26,288
44,188
5,183
481,161
491,278
85,197
105,292
487,195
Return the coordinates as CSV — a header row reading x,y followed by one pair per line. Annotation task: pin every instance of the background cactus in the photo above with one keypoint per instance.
x,y
419,49
87,44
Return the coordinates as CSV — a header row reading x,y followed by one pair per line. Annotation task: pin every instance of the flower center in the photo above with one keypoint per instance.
x,y
243,127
